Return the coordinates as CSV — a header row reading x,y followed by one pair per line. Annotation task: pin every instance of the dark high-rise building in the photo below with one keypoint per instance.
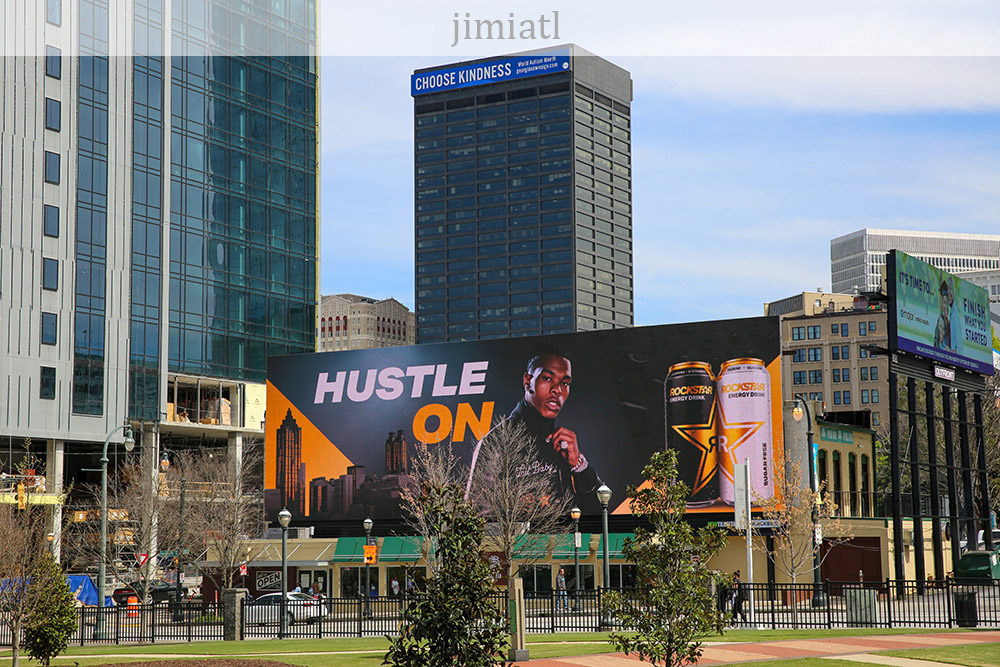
x,y
290,470
523,205
396,458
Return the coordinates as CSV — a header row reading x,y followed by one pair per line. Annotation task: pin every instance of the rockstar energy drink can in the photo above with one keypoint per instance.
x,y
689,404
744,427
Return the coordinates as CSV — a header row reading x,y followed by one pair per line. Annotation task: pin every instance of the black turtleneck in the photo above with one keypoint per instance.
x,y
581,486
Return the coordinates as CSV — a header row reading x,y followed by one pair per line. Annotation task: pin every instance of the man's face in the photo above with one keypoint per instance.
x,y
547,387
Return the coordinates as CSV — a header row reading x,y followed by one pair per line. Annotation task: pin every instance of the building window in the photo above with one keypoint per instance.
x,y
798,333
50,328
50,274
836,398
53,114
816,377
864,374
875,418
815,354
864,397
835,353
873,373
846,375
836,375
799,377
862,328
845,352
843,330
799,355
53,62
847,398
51,167
834,328
47,383
53,11
814,332
862,353
51,223
874,395
871,326
815,396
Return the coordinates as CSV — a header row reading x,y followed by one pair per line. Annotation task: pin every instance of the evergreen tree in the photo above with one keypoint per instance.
x,y
455,620
52,618
674,608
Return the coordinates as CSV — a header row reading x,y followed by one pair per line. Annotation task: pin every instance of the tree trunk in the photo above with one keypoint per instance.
x,y
15,644
795,601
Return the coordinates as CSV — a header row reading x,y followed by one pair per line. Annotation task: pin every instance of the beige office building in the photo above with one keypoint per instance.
x,y
352,322
825,341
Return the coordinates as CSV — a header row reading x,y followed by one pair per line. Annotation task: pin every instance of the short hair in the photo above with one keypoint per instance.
x,y
535,359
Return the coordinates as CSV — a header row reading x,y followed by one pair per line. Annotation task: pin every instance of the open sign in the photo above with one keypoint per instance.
x,y
268,581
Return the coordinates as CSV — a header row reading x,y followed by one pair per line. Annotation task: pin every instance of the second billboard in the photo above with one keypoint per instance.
x,y
341,426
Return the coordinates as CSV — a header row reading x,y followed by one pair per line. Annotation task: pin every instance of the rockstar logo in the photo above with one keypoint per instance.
x,y
703,437
730,438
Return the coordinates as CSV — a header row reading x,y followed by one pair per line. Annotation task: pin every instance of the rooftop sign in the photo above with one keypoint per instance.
x,y
481,73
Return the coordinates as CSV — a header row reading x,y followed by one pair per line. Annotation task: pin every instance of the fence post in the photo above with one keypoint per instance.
x,y
888,601
552,610
829,611
361,603
774,618
152,624
948,593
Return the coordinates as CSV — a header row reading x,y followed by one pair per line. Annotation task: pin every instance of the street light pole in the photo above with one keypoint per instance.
x,y
604,495
819,599
284,518
129,442
575,513
368,582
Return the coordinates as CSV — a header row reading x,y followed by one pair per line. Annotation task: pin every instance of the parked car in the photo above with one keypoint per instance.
x,y
158,591
299,607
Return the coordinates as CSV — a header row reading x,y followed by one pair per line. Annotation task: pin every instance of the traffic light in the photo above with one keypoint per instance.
x,y
22,500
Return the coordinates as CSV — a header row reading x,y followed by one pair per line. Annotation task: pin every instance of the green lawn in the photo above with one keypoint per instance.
x,y
345,652
975,655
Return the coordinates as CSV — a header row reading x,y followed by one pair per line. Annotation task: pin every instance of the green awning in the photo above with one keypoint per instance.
x,y
531,546
615,541
563,547
401,548
349,549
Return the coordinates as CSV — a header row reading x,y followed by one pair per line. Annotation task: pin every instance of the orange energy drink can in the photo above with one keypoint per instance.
x,y
744,427
690,414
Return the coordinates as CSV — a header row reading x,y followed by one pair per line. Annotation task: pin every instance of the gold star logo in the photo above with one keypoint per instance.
x,y
730,438
703,437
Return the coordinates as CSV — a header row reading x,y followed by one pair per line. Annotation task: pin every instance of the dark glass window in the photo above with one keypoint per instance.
x,y
53,11
50,329
53,62
53,114
51,223
50,274
51,167
47,383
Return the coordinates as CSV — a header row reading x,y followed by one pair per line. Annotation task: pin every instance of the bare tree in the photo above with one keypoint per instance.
x,y
224,509
23,525
138,508
431,467
991,419
792,518
524,507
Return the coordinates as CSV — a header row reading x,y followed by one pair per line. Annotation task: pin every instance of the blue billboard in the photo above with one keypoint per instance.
x,y
481,73
938,316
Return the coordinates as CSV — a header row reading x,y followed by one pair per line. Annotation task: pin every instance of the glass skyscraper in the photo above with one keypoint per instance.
x,y
158,217
523,196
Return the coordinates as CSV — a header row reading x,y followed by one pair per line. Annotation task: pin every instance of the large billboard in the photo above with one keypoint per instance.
x,y
938,316
494,71
341,426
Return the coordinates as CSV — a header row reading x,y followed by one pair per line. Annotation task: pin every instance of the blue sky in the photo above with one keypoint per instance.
x,y
744,167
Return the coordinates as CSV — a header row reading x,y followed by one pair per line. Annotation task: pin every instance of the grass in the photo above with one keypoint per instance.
x,y
973,655
368,652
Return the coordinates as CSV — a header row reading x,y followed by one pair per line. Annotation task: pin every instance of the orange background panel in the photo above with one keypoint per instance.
x,y
321,456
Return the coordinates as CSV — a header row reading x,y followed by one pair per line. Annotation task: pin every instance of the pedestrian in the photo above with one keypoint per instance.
x,y
561,600
738,596
373,592
394,585
409,587
722,597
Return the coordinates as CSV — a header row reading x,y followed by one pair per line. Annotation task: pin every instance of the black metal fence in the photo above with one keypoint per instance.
x,y
883,604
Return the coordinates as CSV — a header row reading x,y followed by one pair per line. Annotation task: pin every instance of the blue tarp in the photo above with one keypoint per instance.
x,y
85,591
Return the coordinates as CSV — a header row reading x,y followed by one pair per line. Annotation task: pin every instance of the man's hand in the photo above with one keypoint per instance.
x,y
564,442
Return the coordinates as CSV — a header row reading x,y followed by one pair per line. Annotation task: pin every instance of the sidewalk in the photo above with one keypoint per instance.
x,y
857,649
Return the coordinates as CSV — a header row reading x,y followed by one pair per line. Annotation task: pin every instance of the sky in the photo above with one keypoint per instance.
x,y
760,131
